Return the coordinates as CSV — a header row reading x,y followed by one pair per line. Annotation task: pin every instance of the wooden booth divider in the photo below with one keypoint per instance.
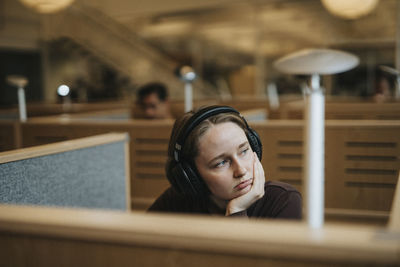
x,y
335,109
9,135
362,157
343,111
148,145
49,109
43,236
90,172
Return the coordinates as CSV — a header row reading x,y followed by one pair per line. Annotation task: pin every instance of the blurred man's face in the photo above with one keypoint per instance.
x,y
154,108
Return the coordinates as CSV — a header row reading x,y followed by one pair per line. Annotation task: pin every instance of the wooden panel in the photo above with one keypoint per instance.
x,y
359,110
363,110
282,152
361,172
149,172
361,160
38,134
287,161
243,104
394,221
9,135
149,144
371,179
366,163
37,236
149,157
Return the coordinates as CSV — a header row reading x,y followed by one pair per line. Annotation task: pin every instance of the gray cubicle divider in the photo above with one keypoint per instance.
x,y
94,174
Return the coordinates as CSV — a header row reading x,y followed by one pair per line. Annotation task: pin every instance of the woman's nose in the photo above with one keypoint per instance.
x,y
239,169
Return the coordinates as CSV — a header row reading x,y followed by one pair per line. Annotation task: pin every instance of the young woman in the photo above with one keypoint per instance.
x,y
214,168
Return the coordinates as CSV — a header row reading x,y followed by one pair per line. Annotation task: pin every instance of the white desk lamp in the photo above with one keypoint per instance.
x,y
64,92
20,82
315,62
187,74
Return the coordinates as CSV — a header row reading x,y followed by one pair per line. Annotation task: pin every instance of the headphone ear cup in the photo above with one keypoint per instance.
x,y
196,185
179,179
172,172
185,180
255,142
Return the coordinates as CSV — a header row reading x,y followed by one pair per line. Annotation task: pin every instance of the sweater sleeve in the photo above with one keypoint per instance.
x,y
285,201
291,206
239,214
172,201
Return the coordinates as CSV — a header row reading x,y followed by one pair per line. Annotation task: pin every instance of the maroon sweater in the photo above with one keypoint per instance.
x,y
280,200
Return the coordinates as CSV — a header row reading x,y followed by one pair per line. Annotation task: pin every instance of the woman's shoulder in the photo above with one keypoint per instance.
x,y
172,201
167,201
280,186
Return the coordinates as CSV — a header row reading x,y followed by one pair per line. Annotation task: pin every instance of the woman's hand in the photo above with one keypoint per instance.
x,y
256,191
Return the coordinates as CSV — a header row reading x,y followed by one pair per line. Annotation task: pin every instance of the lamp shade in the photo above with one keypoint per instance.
x,y
316,61
17,80
47,6
186,73
350,9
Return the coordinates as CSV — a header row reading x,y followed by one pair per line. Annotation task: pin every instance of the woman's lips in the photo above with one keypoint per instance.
x,y
244,184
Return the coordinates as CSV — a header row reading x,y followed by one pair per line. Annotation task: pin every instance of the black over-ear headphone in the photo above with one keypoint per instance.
x,y
182,176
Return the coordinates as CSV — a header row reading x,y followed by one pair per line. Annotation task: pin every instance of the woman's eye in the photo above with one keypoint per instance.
x,y
244,151
221,163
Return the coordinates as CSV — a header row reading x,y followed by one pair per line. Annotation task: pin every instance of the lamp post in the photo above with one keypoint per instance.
x,y
20,82
313,140
315,62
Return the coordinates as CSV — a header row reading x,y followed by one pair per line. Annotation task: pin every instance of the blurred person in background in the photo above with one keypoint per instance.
x,y
152,101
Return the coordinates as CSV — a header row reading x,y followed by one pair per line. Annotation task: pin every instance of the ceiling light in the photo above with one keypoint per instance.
x,y
47,6
349,9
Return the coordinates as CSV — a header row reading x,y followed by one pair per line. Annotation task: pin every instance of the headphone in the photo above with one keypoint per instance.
x,y
182,176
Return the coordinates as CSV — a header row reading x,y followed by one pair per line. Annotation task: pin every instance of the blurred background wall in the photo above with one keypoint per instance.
x,y
104,49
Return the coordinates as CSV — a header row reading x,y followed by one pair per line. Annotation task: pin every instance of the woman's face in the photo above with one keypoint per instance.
x,y
225,161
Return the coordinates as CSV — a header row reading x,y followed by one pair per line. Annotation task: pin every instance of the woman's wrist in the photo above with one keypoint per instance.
x,y
231,210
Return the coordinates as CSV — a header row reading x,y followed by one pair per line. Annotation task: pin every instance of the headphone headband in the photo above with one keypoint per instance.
x,y
195,120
